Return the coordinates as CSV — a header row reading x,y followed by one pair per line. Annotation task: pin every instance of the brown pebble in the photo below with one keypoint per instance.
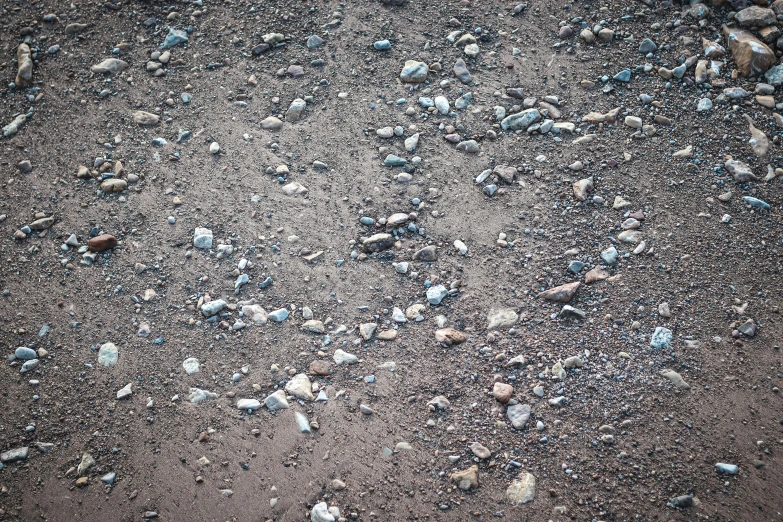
x,y
102,243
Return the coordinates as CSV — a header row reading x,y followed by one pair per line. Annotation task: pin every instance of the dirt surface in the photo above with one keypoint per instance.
x,y
609,439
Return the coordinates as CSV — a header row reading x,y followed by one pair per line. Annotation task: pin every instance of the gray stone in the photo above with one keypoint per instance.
x,y
647,46
248,404
661,338
212,307
522,490
394,161
108,354
414,72
461,72
501,318
609,255
276,401
86,463
191,365
320,513
279,315
303,423
25,354
521,120
125,391
294,112
174,38
314,42
436,294
197,395
202,238
29,365
518,414
14,455
341,357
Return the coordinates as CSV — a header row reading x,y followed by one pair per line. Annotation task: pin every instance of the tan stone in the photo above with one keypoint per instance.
x,y
752,56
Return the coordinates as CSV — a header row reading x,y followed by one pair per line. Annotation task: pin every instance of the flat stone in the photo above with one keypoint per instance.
x,y
661,338
521,120
560,294
518,414
248,404
450,336
466,479
675,378
279,315
461,72
213,307
428,254
436,294
202,238
110,66
302,422
191,365
342,357
145,118
378,242
197,395
108,354
522,490
15,454
501,318
125,391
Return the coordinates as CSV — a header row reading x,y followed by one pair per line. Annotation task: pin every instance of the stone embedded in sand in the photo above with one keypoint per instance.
x,y
102,243
501,318
466,479
752,56
582,188
108,354
42,224
560,294
294,112
125,392
300,387
414,72
428,254
461,72
502,392
675,378
597,117
450,336
75,28
114,185
24,75
378,243
755,16
276,401
758,140
271,123
596,274
521,120
740,171
110,66
294,188
255,313
518,414
145,118
522,490
661,338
